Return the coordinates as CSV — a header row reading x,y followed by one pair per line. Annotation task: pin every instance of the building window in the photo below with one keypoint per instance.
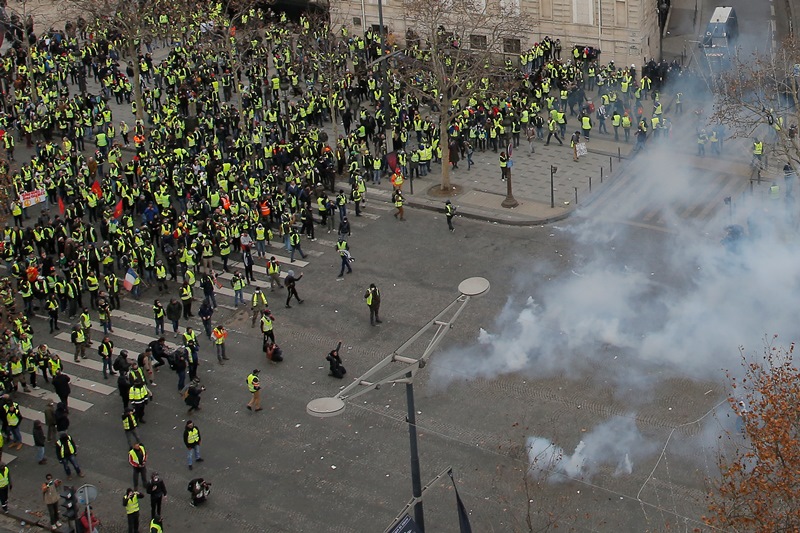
x,y
511,46
583,12
621,13
546,9
477,42
356,21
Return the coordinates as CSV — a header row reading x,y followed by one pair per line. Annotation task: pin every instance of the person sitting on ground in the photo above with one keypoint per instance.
x,y
337,370
199,488
273,351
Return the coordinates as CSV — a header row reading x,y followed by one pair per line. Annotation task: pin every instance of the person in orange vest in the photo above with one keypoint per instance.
x,y
220,336
398,179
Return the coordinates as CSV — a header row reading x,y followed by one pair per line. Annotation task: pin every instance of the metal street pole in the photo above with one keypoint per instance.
x,y
509,200
553,171
416,477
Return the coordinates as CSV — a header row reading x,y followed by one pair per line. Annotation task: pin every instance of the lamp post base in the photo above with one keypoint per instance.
x,y
509,202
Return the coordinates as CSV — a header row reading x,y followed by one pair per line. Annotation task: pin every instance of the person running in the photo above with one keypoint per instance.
x,y
344,252
449,213
290,282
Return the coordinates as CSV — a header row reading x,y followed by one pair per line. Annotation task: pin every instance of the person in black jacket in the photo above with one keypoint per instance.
x,y
62,420
192,398
337,370
290,283
157,491
158,347
124,387
39,441
179,365
62,388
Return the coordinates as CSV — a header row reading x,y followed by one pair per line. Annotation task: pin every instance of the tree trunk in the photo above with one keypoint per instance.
x,y
133,52
444,143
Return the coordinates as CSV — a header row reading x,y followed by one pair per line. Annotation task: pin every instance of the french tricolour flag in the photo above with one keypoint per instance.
x,y
130,278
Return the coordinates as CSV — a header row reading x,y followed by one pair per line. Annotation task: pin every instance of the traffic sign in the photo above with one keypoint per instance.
x,y
87,494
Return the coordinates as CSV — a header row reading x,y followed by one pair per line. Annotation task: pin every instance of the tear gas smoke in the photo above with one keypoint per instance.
x,y
681,303
615,444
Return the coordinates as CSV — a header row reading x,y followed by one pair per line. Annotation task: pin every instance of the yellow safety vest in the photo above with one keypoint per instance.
x,y
132,504
193,436
252,384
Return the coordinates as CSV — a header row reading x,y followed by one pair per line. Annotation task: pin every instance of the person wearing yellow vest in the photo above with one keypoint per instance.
x,y
398,201
220,335
344,252
258,302
86,326
129,424
758,149
254,386
155,525
191,439
186,299
79,340
13,418
137,458
66,452
274,273
5,485
586,125
131,503
398,179
373,299
238,284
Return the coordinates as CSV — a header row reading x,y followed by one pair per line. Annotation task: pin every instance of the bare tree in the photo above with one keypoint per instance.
x,y
758,99
135,22
531,476
231,29
459,42
24,21
324,63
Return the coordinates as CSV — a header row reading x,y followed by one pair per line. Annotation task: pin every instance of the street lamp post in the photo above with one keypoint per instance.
x,y
416,477
371,379
553,170
509,200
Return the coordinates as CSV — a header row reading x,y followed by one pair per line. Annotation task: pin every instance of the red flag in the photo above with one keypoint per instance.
x,y
118,210
96,189
61,205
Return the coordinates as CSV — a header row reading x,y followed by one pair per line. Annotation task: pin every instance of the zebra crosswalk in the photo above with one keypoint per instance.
x,y
85,374
134,329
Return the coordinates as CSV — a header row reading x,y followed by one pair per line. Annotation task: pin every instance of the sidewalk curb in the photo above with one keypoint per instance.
x,y
474,214
428,203
30,520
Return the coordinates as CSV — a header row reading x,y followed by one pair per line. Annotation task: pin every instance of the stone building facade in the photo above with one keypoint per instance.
x,y
626,31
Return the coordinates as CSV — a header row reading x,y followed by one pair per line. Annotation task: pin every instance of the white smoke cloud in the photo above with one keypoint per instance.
x,y
615,443
682,303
